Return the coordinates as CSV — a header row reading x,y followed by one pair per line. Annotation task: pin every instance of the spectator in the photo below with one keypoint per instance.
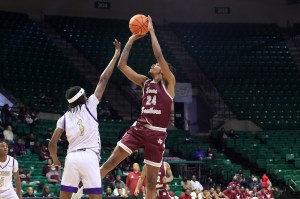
x,y
108,179
186,194
1,131
47,166
196,184
47,192
24,176
109,192
6,116
241,178
8,134
210,183
238,192
44,153
118,191
19,147
21,114
199,154
265,182
213,193
185,183
37,147
220,194
254,184
262,193
229,193
122,184
196,194
206,194
47,137
254,193
269,193
132,180
209,154
29,193
169,191
11,151
30,143
54,175
234,183
31,118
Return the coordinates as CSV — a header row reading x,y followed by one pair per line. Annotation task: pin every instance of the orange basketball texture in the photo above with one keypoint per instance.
x,y
138,24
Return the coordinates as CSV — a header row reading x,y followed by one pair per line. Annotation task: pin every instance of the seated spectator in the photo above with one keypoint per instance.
x,y
254,184
213,193
118,178
206,194
262,193
210,154
254,193
185,183
30,143
199,154
8,134
47,166
29,193
31,118
186,194
265,182
109,192
220,194
44,153
47,137
108,179
234,183
238,192
54,175
19,147
118,191
169,191
1,131
24,176
196,184
196,194
229,192
247,193
270,193
47,192
6,115
37,147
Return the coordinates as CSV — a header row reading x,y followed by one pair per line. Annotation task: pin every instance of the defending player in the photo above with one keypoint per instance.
x,y
81,126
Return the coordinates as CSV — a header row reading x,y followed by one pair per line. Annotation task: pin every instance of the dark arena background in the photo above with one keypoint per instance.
x,y
237,103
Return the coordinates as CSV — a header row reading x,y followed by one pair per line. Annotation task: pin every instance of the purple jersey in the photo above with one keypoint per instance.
x,y
161,174
156,104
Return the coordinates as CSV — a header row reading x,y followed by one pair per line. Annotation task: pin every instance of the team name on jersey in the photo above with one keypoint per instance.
x,y
5,173
149,90
151,111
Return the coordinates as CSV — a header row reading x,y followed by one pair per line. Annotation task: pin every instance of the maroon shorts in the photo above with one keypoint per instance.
x,y
152,141
163,194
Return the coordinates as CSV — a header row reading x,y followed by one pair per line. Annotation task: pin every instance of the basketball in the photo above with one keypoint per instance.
x,y
138,24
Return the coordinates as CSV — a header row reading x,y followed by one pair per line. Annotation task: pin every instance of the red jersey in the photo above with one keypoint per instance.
x,y
185,196
161,174
132,180
156,104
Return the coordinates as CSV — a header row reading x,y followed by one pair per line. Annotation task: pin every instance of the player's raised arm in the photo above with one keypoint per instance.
x,y
133,76
167,74
105,76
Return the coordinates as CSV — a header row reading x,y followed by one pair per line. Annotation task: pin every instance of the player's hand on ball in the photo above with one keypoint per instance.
x,y
117,45
150,24
135,37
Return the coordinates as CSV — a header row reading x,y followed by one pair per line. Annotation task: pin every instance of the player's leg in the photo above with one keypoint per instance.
x,y
131,141
94,196
65,195
153,154
117,156
71,176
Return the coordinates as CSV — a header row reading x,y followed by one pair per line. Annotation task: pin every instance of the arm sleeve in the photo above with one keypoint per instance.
x,y
16,166
92,103
60,123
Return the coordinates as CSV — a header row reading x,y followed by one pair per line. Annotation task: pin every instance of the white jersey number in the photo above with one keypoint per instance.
x,y
81,127
151,100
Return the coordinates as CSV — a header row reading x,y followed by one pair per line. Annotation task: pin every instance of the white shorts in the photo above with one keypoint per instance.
x,y
9,194
82,166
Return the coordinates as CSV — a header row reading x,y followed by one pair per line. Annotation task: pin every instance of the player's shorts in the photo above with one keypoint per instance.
x,y
9,194
163,194
82,165
152,140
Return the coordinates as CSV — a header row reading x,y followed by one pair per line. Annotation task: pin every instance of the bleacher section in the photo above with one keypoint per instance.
x,y
275,152
33,66
251,67
93,37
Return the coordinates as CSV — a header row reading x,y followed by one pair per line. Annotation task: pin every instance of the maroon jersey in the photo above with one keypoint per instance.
x,y
156,104
161,174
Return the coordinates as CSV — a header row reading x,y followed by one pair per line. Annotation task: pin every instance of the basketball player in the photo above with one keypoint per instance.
x,y
161,183
81,126
149,131
8,167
